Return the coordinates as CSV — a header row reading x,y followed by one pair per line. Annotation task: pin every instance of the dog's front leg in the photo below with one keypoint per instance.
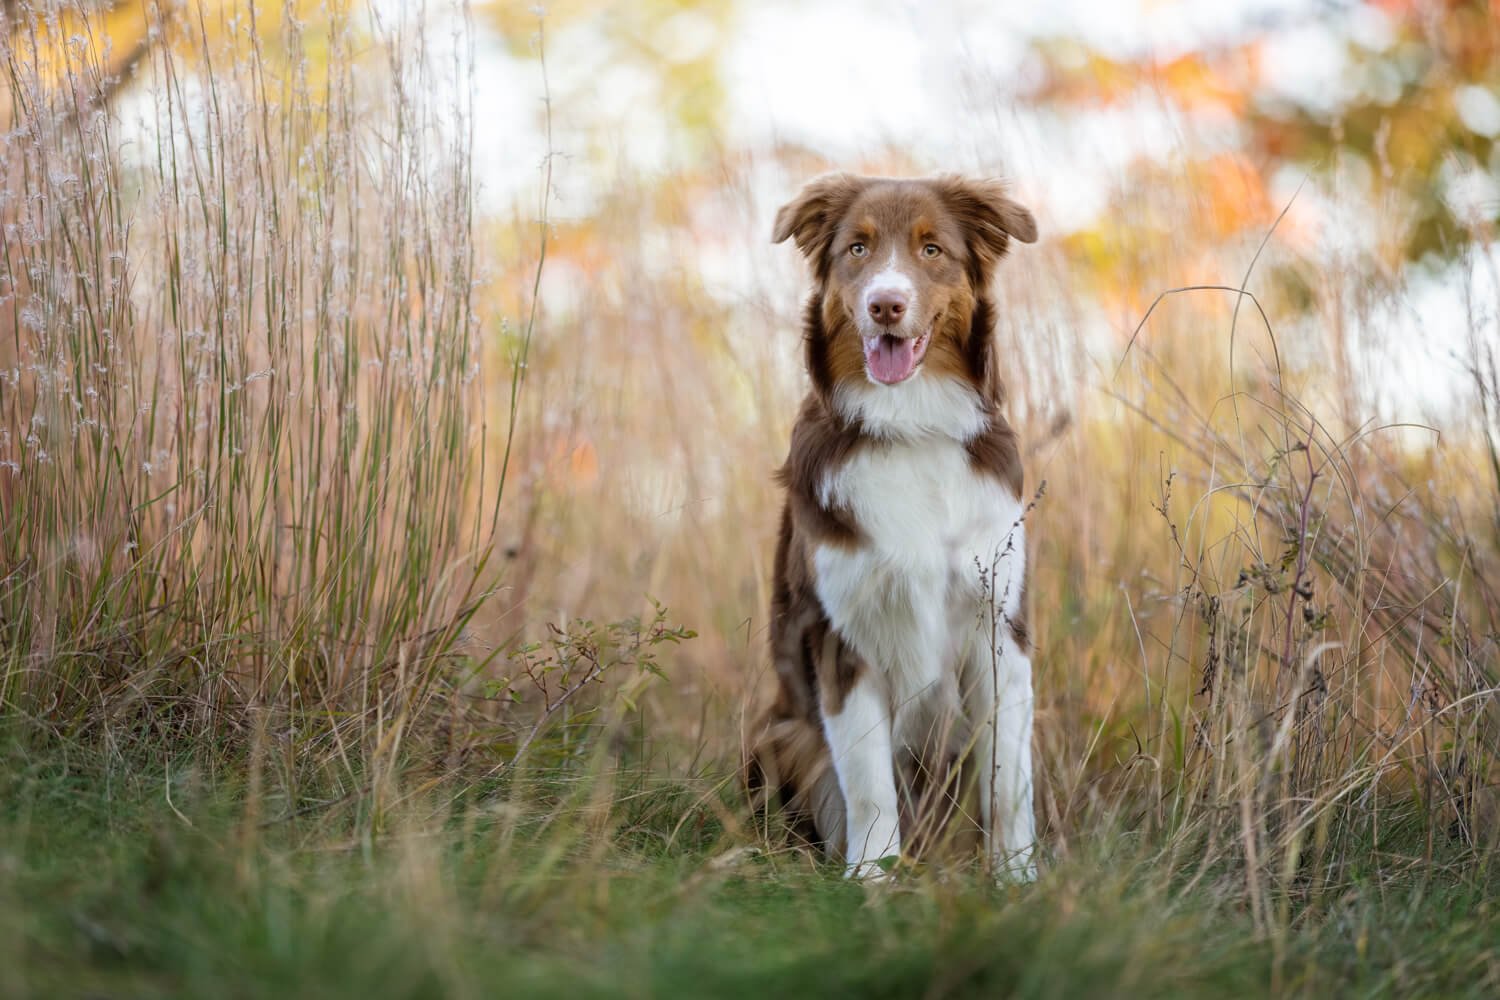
x,y
859,736
1003,752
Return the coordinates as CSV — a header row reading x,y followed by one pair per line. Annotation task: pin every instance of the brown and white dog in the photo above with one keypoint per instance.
x,y
897,622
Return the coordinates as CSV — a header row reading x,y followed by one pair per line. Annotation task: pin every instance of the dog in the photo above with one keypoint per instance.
x,y
898,627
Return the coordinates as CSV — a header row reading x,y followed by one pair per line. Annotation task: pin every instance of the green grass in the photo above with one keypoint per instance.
x,y
108,889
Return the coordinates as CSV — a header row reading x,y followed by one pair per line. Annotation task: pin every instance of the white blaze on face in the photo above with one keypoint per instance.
x,y
889,278
892,353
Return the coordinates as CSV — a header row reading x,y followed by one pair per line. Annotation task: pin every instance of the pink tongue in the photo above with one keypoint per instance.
x,y
890,359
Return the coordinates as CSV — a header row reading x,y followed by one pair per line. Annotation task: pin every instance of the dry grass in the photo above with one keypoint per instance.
x,y
243,424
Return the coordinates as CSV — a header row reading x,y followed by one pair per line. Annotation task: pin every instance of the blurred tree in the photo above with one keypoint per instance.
x,y
677,44
1417,103
1422,109
94,48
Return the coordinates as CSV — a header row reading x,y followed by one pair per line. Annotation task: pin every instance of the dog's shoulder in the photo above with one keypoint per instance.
x,y
996,452
822,442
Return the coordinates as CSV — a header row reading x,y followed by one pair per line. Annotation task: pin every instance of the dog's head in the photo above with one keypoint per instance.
x,y
901,266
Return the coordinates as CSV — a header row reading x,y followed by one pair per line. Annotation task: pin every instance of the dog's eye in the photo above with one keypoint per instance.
x,y
858,250
931,250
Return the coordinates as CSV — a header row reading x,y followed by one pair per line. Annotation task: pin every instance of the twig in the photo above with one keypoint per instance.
x,y
1302,547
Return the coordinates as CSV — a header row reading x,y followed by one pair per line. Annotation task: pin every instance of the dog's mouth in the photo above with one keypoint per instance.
x,y
890,359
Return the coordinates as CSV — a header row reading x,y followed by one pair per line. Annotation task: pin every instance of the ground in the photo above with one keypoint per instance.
x,y
120,876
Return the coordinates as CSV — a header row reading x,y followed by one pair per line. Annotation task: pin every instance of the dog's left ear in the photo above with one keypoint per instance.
x,y
988,216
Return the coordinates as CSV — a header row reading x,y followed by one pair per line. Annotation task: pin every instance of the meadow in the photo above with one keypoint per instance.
x,y
383,573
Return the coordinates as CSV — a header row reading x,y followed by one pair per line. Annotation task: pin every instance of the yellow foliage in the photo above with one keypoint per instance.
x,y
91,49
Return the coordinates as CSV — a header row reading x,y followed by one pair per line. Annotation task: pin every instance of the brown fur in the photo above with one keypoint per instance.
x,y
1020,624
973,221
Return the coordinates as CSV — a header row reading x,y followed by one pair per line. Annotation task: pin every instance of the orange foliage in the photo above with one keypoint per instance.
x,y
91,51
1195,81
1235,192
1198,85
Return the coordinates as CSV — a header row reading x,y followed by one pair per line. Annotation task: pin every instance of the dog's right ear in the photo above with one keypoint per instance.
x,y
813,216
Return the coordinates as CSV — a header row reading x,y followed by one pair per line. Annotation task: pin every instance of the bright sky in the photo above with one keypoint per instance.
x,y
850,77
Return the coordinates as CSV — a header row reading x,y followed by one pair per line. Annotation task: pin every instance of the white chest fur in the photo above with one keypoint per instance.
x,y
942,559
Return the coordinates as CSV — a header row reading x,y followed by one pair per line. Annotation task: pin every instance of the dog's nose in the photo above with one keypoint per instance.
x,y
887,308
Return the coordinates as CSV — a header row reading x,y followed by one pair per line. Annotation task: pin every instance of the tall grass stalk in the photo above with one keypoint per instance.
x,y
239,412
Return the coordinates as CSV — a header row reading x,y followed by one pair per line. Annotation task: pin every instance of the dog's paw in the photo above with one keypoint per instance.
x,y
874,871
1017,868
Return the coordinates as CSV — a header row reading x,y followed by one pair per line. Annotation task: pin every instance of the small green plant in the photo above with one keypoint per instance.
x,y
553,678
